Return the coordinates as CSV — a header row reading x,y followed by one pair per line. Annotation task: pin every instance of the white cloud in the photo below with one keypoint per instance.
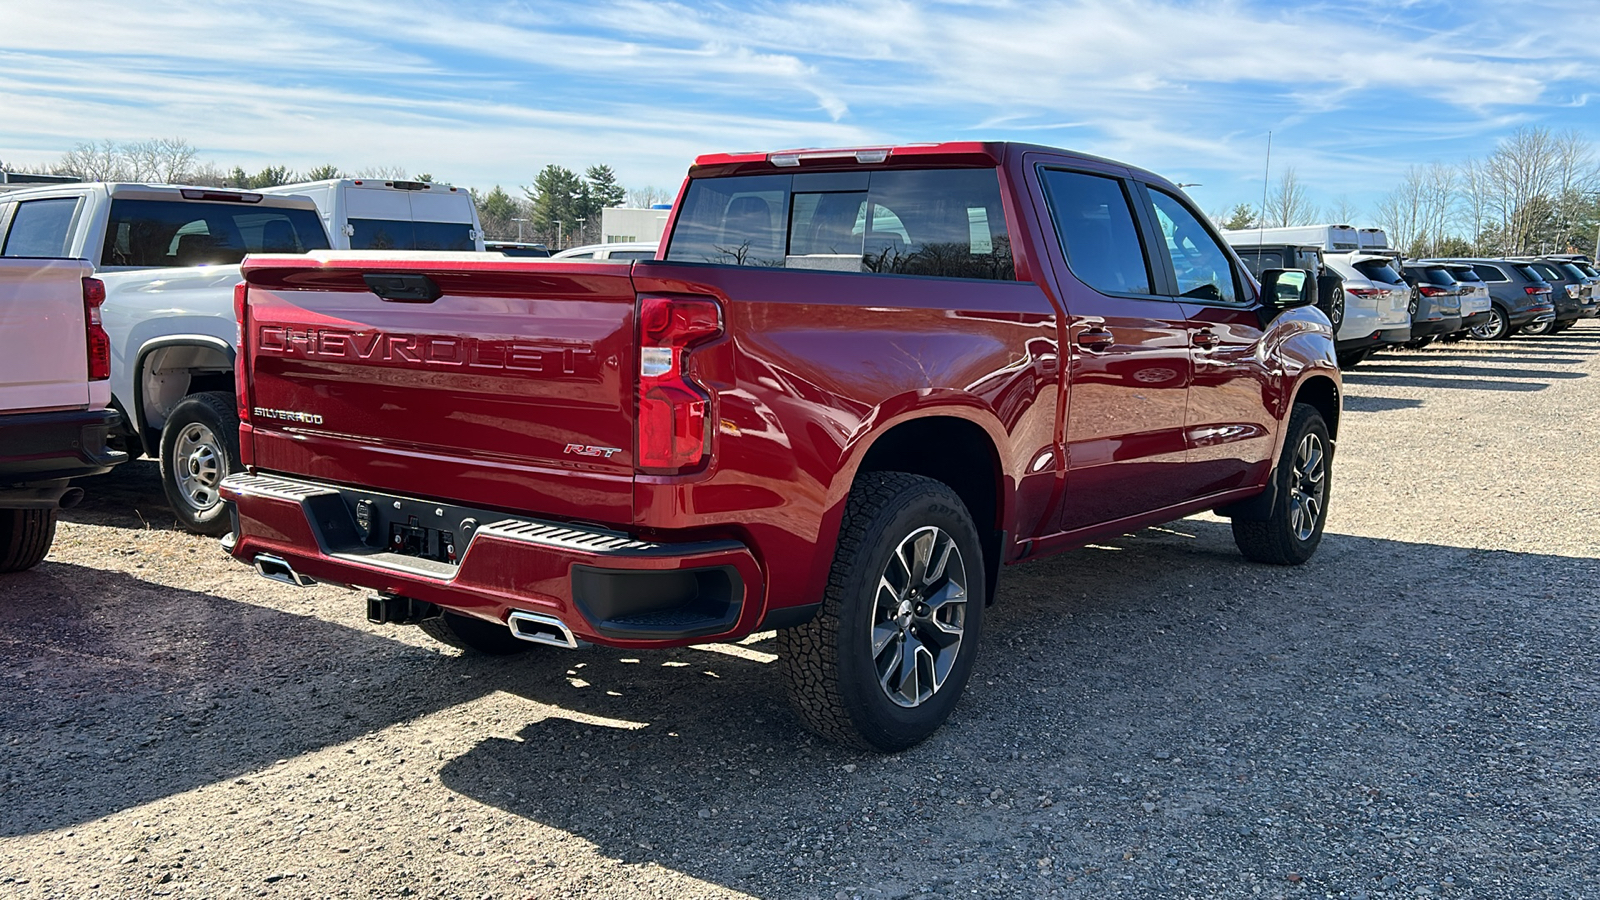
x,y
490,91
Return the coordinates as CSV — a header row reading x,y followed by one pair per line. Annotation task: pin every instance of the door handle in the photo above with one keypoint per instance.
x,y
1095,339
1206,339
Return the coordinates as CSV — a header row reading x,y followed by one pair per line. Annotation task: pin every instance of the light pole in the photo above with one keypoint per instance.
x,y
580,229
1181,185
519,228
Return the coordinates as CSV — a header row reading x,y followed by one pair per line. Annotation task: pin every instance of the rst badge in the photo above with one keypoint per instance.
x,y
586,450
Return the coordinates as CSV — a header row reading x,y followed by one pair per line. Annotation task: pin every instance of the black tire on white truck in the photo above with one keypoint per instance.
x,y
199,448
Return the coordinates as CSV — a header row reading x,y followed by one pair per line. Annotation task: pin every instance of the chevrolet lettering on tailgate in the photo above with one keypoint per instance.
x,y
422,351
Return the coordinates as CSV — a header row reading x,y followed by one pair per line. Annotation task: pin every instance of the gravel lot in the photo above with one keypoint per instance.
x,y
1414,713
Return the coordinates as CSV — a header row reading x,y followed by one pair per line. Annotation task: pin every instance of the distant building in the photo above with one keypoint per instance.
x,y
620,224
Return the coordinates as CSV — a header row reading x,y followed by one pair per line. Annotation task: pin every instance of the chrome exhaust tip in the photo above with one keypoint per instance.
x,y
278,569
542,629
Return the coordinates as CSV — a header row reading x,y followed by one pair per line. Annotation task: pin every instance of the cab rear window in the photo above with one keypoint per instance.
x,y
943,223
170,233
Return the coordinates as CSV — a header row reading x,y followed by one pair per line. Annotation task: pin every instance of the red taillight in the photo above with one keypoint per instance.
x,y
95,337
1365,292
1432,290
241,373
1536,290
672,408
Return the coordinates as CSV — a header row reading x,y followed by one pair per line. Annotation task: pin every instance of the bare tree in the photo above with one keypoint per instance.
x,y
1473,177
1288,204
160,160
1521,173
393,173
645,197
92,161
1341,211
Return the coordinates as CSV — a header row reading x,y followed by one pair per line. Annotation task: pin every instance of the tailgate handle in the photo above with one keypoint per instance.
x,y
400,288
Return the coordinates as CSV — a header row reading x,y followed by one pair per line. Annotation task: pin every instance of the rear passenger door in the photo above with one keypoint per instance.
x,y
1127,352
1228,428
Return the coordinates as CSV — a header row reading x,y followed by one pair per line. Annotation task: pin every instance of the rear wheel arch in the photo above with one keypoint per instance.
x,y
946,449
167,370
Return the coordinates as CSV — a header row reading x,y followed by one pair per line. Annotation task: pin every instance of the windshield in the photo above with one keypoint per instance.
x,y
398,234
175,233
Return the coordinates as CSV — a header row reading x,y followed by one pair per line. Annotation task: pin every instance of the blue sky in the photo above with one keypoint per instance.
x,y
488,92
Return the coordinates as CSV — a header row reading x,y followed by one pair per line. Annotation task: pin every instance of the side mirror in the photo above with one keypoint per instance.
x,y
1283,289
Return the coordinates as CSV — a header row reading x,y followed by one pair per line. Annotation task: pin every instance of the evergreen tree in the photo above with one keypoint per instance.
x,y
554,201
1242,217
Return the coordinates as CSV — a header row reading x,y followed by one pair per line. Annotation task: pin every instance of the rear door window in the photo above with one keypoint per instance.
x,y
1095,223
1489,273
161,233
1200,264
41,227
944,223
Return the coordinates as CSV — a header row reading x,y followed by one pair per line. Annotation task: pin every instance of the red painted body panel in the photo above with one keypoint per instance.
x,y
477,398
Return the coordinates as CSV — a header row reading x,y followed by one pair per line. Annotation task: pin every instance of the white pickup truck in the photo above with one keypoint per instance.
x,y
169,259
55,364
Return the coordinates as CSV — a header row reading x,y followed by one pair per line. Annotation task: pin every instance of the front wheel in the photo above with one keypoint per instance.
x,y
884,661
25,537
199,448
1289,535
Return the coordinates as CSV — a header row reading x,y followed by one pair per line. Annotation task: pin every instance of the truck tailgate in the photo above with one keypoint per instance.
x,y
43,357
512,389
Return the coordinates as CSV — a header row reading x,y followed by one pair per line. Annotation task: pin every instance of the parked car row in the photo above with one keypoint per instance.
x,y
1376,298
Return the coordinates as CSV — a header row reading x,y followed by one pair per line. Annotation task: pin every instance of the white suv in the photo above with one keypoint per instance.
x,y
1378,304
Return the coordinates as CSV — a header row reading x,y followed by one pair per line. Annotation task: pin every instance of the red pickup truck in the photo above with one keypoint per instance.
x,y
853,384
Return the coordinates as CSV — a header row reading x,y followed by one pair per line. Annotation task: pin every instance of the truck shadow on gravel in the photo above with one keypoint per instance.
x,y
121,691
1144,712
1393,715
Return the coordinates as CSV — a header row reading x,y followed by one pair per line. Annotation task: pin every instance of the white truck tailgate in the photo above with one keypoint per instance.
x,y
43,348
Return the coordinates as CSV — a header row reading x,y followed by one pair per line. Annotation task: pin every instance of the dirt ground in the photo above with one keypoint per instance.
x,y
1413,713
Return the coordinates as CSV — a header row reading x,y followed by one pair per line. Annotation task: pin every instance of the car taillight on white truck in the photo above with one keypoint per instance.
x,y
95,337
673,421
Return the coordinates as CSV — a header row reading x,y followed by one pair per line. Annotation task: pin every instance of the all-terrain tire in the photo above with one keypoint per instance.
x,y
199,448
473,635
1283,538
829,666
25,537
